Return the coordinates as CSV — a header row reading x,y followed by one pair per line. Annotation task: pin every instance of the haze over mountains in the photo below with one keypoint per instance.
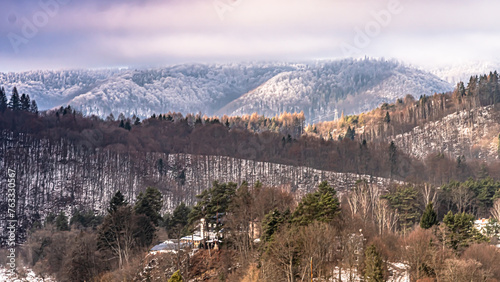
x,y
321,89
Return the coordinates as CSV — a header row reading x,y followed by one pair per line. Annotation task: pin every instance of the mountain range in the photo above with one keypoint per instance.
x,y
321,89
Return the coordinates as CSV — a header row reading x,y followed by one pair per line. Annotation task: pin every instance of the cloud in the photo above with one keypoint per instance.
x,y
106,33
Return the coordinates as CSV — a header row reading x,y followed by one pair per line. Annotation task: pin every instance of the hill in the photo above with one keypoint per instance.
x,y
320,89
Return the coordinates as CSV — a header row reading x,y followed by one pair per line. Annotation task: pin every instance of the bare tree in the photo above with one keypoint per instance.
x,y
387,218
462,197
118,233
284,253
495,210
429,194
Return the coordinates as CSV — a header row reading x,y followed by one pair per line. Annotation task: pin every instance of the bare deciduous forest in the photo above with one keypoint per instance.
x,y
335,200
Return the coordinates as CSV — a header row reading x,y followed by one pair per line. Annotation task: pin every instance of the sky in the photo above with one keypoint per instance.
x,y
63,34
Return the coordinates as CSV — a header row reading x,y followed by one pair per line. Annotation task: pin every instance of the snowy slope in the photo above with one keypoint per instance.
x,y
463,72
351,86
317,88
54,88
185,89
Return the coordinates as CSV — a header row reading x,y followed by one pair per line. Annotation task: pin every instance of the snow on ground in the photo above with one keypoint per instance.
x,y
30,276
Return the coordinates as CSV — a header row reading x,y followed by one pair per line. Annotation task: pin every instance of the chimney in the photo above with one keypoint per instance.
x,y
202,228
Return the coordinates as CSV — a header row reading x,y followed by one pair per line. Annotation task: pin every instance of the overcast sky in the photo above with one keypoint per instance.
x,y
118,33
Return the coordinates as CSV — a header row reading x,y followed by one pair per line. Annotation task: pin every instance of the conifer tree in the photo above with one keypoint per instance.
x,y
117,201
34,107
322,205
373,265
62,222
14,102
3,100
25,103
387,117
460,231
127,125
429,218
150,203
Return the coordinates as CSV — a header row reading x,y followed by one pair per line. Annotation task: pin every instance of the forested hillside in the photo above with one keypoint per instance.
x,y
462,123
67,168
318,88
324,90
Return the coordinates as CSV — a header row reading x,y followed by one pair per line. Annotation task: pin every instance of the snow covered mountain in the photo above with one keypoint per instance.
x,y
55,88
324,90
463,72
320,89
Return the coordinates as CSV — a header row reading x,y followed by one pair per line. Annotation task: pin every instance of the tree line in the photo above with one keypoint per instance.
x,y
406,113
16,102
370,232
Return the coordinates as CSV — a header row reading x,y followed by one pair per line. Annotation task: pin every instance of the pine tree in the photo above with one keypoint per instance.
x,y
351,132
3,100
150,203
373,265
62,222
213,203
14,102
429,218
404,199
272,222
322,205
460,231
387,118
127,125
178,221
34,107
25,103
117,201
176,277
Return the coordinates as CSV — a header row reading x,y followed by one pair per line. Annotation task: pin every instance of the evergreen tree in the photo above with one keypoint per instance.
x,y
25,103
177,222
404,199
127,125
137,121
387,117
373,265
322,205
122,124
117,201
176,277
429,218
34,107
213,203
351,133
3,100
150,203
62,222
460,231
50,218
14,102
272,222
